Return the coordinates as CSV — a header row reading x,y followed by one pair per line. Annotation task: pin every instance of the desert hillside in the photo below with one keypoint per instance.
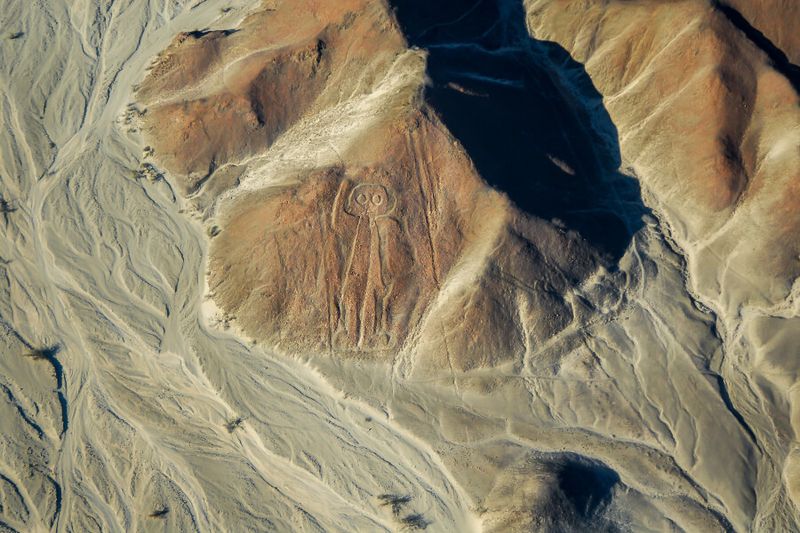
x,y
395,265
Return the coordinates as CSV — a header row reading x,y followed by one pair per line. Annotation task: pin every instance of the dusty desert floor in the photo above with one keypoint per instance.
x,y
521,371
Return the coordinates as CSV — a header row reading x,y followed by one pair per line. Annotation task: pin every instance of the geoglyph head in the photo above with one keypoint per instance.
x,y
369,200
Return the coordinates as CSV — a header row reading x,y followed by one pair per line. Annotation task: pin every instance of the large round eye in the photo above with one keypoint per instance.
x,y
361,198
377,199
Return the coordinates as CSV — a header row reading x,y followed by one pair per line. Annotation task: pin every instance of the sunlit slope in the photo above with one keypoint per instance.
x,y
708,115
121,411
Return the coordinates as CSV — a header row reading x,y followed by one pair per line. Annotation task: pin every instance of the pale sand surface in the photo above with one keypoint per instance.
x,y
661,398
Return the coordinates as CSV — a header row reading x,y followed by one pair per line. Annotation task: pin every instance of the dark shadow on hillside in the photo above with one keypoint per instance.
x,y
776,56
587,486
528,115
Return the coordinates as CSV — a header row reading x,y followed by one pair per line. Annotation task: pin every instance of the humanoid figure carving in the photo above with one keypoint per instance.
x,y
363,320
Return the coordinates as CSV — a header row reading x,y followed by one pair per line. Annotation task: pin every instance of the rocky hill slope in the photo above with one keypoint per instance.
x,y
398,265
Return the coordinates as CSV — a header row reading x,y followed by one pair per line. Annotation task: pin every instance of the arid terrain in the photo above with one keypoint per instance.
x,y
396,265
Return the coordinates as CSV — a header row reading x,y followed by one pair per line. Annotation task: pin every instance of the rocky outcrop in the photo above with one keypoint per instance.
x,y
218,97
401,246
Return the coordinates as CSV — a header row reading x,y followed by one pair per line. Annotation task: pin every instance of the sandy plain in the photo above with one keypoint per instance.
x,y
538,377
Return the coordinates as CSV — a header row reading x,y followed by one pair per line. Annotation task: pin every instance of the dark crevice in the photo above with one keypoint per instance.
x,y
777,57
257,107
50,354
726,399
199,34
59,502
22,413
